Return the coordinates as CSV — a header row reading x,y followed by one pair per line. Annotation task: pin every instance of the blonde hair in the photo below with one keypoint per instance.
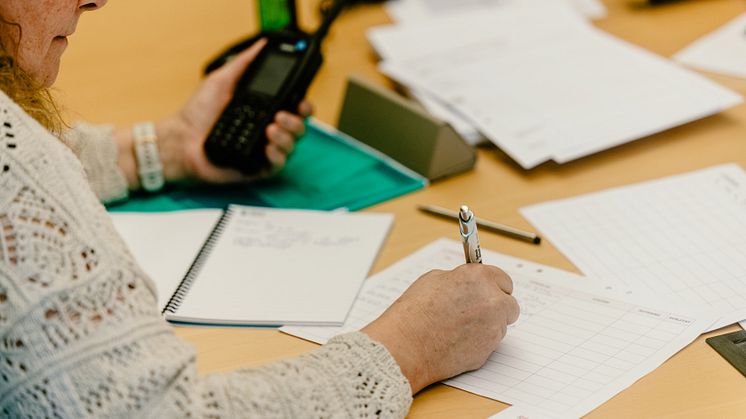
x,y
33,98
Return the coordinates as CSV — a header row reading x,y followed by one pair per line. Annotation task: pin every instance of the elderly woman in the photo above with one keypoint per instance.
x,y
80,334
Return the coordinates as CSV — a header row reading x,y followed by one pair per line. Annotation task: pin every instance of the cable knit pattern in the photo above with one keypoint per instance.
x,y
80,333
96,149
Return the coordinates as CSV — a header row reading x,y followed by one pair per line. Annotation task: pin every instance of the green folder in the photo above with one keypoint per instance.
x,y
328,170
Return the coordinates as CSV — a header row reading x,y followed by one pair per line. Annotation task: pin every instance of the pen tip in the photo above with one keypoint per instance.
x,y
537,240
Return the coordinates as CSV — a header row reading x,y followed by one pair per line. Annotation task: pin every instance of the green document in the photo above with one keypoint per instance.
x,y
326,171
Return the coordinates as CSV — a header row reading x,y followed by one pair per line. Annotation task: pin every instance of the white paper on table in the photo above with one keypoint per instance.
x,y
681,238
547,86
722,51
574,347
522,412
461,125
165,243
414,11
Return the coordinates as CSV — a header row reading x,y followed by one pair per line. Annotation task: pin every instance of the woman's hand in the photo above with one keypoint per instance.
x,y
181,137
447,322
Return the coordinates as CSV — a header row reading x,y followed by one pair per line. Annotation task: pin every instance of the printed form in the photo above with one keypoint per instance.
x,y
680,238
546,86
575,345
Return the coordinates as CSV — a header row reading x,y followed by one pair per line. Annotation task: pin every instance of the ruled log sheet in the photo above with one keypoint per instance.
x,y
681,238
574,346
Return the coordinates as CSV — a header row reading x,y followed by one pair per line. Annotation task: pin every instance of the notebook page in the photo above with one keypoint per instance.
x,y
681,238
165,244
573,347
276,266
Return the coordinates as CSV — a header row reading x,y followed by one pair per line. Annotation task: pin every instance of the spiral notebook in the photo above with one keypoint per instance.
x,y
263,266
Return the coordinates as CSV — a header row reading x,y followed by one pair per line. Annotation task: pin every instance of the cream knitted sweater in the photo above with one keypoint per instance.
x,y
80,334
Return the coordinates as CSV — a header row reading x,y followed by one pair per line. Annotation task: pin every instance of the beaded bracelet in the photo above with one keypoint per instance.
x,y
149,167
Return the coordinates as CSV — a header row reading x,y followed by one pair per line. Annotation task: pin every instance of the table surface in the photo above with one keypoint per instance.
x,y
140,60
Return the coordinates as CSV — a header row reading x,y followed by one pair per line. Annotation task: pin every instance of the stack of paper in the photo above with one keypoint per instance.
x,y
419,11
408,11
542,83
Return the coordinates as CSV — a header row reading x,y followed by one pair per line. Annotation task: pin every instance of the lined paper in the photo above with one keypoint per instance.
x,y
575,345
681,238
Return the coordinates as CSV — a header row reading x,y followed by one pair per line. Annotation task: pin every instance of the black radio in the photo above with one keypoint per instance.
x,y
277,79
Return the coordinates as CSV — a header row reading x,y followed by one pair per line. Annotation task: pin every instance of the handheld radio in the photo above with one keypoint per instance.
x,y
276,80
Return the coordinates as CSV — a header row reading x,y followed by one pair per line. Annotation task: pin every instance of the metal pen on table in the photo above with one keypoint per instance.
x,y
488,225
467,224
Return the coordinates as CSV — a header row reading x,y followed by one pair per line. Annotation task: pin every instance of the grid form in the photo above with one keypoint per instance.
x,y
571,350
681,238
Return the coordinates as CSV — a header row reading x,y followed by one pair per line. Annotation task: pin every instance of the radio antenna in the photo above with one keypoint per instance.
x,y
329,17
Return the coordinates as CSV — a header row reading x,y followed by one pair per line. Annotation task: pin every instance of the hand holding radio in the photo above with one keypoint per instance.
x,y
276,80
182,136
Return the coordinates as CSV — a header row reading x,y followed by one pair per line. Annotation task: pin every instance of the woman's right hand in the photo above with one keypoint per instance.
x,y
447,322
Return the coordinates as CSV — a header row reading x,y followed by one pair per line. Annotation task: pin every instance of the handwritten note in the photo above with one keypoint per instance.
x,y
276,266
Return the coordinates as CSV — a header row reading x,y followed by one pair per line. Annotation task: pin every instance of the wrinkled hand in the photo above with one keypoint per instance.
x,y
182,137
447,322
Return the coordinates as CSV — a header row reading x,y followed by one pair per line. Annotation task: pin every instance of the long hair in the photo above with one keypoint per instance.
x,y
32,97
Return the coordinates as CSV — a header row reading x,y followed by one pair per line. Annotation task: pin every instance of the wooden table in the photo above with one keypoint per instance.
x,y
140,59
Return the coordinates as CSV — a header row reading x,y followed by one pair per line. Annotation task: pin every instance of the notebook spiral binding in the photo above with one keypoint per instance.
x,y
183,289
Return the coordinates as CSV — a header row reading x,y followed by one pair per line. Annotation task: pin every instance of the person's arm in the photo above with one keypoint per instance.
x,y
83,335
350,376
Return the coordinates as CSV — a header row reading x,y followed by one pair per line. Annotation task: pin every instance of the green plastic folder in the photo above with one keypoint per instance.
x,y
328,170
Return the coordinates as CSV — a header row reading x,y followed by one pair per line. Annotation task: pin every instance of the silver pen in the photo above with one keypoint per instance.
x,y
487,225
467,224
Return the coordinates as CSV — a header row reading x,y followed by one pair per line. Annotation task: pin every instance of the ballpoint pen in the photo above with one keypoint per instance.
x,y
469,237
488,225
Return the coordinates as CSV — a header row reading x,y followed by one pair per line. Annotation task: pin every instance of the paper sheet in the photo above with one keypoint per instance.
x,y
461,125
722,51
165,244
418,11
574,346
546,86
681,238
409,11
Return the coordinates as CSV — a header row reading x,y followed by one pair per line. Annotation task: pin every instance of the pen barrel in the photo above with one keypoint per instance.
x,y
472,250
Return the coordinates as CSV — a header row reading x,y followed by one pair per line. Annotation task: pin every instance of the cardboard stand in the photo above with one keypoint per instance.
x,y
403,131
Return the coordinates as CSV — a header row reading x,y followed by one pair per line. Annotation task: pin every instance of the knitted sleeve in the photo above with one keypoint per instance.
x,y
96,149
350,376
81,335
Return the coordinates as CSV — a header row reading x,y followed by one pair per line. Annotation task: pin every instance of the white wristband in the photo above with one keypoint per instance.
x,y
149,167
